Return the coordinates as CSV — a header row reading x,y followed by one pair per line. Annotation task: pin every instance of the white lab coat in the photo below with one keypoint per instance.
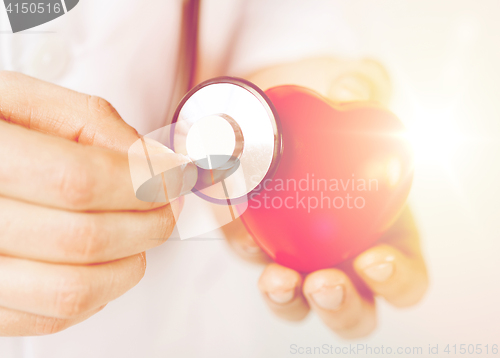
x,y
197,298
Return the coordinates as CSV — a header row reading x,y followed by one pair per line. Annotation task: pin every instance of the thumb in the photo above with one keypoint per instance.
x,y
158,174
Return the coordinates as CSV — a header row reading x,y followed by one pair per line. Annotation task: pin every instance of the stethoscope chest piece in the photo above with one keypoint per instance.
x,y
228,127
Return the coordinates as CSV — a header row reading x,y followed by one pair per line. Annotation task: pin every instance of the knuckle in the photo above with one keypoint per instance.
x,y
48,325
83,240
72,296
100,106
76,185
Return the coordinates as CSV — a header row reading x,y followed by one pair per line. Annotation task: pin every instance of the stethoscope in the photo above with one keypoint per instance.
x,y
227,126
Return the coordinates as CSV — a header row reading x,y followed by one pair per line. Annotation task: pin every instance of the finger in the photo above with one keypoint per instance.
x,y
332,295
243,244
45,234
16,323
48,108
82,118
364,80
65,291
396,269
400,279
281,288
55,172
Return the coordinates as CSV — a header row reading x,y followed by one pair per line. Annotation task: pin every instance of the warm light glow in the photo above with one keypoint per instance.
x,y
435,135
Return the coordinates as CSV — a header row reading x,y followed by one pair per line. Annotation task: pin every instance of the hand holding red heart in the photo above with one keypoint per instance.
x,y
321,238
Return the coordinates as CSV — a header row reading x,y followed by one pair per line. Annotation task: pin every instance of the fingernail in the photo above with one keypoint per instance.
x,y
180,180
174,174
329,298
249,246
380,272
189,177
176,182
281,296
176,206
251,249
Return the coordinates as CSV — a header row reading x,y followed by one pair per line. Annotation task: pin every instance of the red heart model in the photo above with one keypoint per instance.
x,y
343,178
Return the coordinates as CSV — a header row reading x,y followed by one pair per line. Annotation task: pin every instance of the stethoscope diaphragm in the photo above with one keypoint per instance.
x,y
228,127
